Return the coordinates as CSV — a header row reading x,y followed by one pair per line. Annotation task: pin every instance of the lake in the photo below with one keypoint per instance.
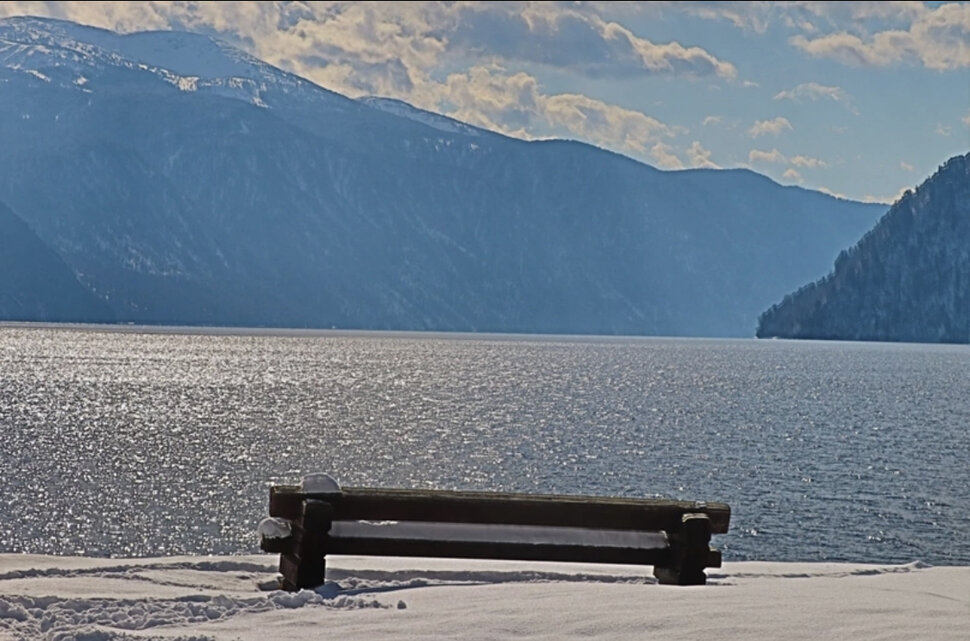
x,y
135,442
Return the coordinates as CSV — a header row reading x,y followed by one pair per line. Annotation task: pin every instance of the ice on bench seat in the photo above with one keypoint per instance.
x,y
489,533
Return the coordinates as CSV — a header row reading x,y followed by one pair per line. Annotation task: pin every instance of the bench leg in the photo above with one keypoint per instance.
x,y
305,567
689,552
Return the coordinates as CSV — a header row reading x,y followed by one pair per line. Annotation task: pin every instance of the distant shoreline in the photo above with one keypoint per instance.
x,y
212,330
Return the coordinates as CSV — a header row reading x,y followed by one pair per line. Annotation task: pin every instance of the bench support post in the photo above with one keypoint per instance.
x,y
305,566
689,552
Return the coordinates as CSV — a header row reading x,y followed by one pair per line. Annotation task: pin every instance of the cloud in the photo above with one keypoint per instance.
x,y
715,120
811,16
567,38
776,157
966,119
868,198
773,156
934,37
807,162
899,11
574,38
700,157
119,16
813,91
515,104
943,130
664,156
834,194
307,36
669,58
774,126
803,16
886,49
885,200
750,16
905,166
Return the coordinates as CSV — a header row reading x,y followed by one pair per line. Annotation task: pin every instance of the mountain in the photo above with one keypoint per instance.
x,y
183,181
36,283
907,280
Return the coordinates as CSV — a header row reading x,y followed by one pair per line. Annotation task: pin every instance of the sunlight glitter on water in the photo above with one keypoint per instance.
x,y
141,444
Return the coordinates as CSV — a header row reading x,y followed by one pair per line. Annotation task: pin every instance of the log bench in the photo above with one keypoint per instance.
x,y
310,521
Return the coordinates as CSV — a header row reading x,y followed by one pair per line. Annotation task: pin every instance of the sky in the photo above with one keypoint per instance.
x,y
858,99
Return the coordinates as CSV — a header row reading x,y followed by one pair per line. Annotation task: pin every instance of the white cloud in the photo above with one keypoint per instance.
x,y
515,104
804,16
799,24
899,11
664,156
670,57
868,198
814,91
856,15
934,37
834,194
308,37
716,120
700,157
966,119
773,156
774,126
905,166
886,49
807,161
120,16
750,16
943,130
885,200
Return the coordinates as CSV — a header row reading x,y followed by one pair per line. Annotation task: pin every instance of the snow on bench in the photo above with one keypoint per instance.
x,y
318,517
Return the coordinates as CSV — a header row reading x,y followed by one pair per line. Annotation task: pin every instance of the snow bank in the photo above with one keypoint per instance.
x,y
232,598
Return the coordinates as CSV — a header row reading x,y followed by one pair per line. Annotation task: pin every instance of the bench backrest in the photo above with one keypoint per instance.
x,y
498,508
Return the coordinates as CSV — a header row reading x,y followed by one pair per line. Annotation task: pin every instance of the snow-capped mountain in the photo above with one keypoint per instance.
x,y
183,181
190,62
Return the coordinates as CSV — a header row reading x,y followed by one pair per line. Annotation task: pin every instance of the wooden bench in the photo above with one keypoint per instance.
x,y
311,521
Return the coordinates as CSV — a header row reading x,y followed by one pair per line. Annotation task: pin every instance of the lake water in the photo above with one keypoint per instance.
x,y
126,443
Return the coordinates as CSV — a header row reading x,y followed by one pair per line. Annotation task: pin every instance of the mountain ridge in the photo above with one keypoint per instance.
x,y
907,279
284,204
37,282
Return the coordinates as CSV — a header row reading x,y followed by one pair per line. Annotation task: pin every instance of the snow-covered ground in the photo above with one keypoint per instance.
x,y
231,598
